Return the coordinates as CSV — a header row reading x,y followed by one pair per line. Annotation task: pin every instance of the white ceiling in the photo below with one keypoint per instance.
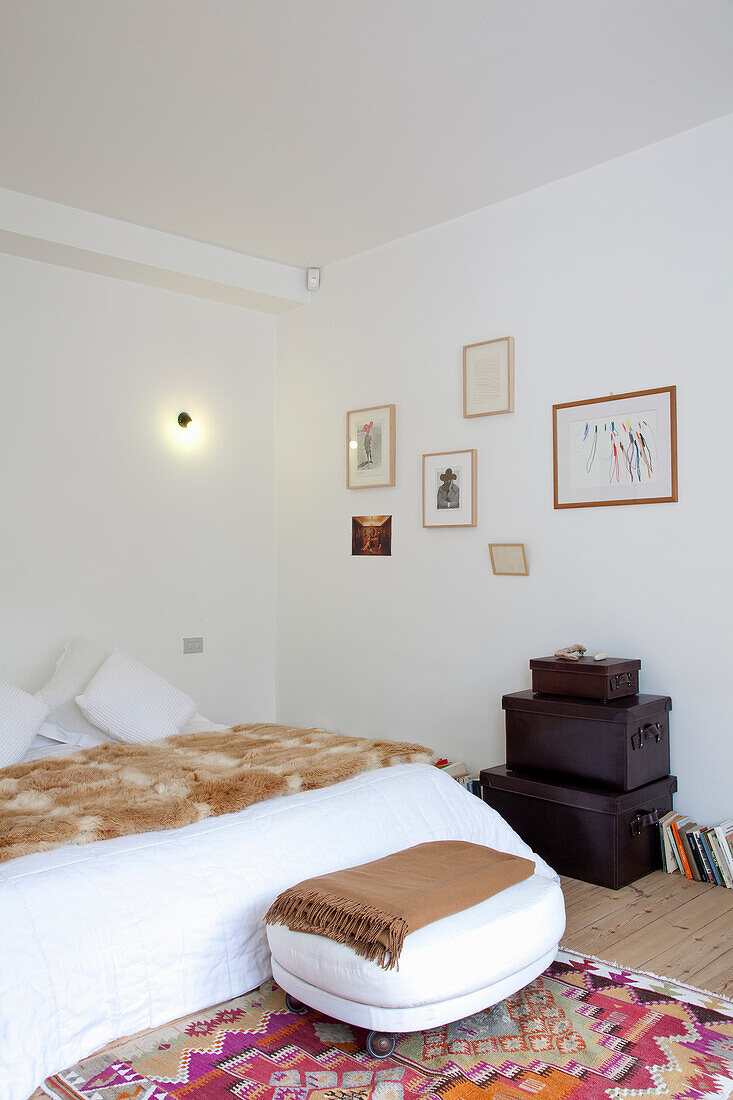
x,y
307,130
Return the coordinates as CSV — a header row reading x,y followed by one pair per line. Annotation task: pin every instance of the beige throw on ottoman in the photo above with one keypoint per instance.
x,y
373,907
412,941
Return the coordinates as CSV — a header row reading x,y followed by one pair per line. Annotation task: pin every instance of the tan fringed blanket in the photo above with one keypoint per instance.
x,y
115,790
373,907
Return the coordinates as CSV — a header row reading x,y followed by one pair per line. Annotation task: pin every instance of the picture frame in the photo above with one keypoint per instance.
x,y
449,489
508,559
371,536
620,449
370,447
488,377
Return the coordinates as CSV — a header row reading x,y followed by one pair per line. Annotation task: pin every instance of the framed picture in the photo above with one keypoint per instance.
x,y
508,559
616,450
449,489
371,536
488,377
370,447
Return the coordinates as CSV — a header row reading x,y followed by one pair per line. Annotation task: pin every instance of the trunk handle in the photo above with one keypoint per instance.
x,y
643,821
651,729
621,679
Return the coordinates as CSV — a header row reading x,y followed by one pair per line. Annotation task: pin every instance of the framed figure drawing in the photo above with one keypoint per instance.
x,y
488,377
370,447
616,450
449,489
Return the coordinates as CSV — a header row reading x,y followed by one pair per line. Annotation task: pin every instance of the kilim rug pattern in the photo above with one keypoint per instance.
x,y
584,1029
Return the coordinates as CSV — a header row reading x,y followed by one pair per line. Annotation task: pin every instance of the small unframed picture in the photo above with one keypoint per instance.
x,y
371,536
508,559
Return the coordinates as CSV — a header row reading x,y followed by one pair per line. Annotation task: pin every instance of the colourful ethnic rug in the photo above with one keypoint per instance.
x,y
584,1029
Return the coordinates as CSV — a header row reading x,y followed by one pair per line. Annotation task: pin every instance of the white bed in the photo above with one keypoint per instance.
x,y
126,934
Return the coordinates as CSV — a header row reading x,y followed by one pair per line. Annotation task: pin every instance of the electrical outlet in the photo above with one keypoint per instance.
x,y
193,645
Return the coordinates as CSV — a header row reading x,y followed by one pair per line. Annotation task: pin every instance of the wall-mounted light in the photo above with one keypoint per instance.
x,y
184,420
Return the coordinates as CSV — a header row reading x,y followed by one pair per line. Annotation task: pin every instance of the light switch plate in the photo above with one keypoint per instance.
x,y
193,645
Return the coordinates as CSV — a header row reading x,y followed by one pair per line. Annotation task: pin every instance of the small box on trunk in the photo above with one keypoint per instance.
x,y
609,678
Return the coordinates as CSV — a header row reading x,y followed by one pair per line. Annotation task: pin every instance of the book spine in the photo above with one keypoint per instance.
x,y
711,857
472,783
729,844
689,852
685,842
675,861
724,847
705,865
663,846
681,850
718,853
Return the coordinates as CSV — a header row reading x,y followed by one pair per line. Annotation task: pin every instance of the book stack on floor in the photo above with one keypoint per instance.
x,y
586,779
460,772
703,853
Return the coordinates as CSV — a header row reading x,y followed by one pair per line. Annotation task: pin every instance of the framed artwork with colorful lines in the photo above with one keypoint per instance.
x,y
620,449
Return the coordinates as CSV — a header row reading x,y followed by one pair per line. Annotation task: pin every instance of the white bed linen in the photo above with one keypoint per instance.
x,y
125,934
43,746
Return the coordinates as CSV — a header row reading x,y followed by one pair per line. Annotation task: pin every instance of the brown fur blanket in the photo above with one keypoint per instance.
x,y
117,789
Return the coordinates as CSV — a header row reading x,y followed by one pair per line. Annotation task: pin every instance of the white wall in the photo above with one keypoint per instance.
x,y
613,280
109,527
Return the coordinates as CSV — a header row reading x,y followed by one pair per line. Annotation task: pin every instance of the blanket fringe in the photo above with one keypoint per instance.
x,y
359,926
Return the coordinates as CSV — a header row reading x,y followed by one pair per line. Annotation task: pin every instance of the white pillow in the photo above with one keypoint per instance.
x,y
74,669
133,703
21,717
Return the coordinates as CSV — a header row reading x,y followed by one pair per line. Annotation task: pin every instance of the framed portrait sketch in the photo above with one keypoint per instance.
x,y
449,489
508,559
488,377
370,447
616,450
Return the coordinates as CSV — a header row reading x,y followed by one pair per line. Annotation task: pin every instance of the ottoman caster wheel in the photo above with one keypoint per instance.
x,y
379,1044
295,1006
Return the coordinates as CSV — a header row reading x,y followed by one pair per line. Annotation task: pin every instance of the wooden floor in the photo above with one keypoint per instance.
x,y
662,923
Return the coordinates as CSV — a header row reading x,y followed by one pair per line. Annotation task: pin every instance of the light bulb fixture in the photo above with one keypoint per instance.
x,y
184,420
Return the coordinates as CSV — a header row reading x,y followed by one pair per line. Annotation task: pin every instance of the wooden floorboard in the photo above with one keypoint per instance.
x,y
662,923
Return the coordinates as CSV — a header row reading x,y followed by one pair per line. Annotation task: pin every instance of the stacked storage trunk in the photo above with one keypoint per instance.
x,y
587,772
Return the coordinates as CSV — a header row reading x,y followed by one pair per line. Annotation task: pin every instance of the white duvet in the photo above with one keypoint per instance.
x,y
105,940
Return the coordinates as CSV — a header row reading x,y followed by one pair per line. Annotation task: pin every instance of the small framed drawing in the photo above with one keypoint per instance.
x,y
488,377
508,559
370,447
371,536
449,489
616,450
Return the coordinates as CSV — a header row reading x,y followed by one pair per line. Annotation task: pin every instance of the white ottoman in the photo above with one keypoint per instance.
x,y
447,970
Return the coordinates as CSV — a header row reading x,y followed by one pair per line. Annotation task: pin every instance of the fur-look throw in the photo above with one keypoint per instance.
x,y
114,790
